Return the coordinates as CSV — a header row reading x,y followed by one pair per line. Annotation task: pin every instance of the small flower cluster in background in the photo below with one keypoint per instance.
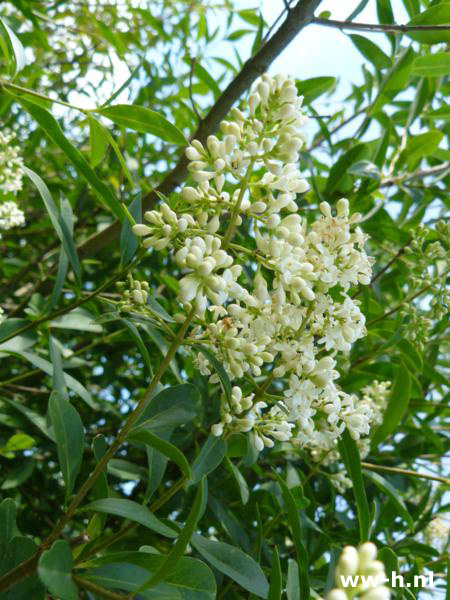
x,y
437,532
10,182
290,313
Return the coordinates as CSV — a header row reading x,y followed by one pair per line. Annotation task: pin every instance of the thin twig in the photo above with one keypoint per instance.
x,y
399,471
378,27
191,95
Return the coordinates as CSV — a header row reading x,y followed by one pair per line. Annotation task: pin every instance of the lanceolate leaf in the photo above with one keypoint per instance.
x,y
392,493
52,129
295,527
58,222
12,47
144,120
69,437
350,455
130,510
209,458
397,406
218,367
184,538
276,580
234,563
166,448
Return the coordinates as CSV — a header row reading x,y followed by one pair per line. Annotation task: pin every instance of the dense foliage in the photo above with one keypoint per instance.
x,y
222,360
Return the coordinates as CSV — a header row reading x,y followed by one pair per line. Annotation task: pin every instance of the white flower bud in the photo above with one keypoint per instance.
x,y
253,103
190,194
141,230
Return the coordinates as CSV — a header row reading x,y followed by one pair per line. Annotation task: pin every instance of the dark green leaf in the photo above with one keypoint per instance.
x,y
130,510
397,406
350,455
179,548
129,243
98,141
165,448
295,527
69,437
55,571
134,332
276,580
340,168
209,458
392,493
234,563
58,222
15,53
218,367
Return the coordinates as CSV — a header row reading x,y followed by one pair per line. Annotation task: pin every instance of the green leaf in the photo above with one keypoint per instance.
x,y
218,367
98,136
17,443
134,332
241,483
144,120
69,437
365,168
17,476
165,448
371,51
207,78
433,65
421,145
62,231
170,408
63,263
350,455
20,549
233,563
395,80
72,383
361,6
132,511
292,585
340,168
129,243
384,12
8,527
179,548
52,129
209,458
315,87
190,579
397,406
12,48
276,580
392,493
158,310
411,356
59,380
55,571
295,527
79,319
436,15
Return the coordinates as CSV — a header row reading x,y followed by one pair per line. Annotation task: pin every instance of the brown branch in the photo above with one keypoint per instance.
x,y
375,27
299,16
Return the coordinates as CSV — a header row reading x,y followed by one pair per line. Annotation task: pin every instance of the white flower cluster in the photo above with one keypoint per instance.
x,y
11,165
361,562
10,182
437,532
10,215
290,315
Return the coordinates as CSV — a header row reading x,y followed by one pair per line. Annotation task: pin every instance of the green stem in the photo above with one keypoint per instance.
x,y
22,90
237,207
97,589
